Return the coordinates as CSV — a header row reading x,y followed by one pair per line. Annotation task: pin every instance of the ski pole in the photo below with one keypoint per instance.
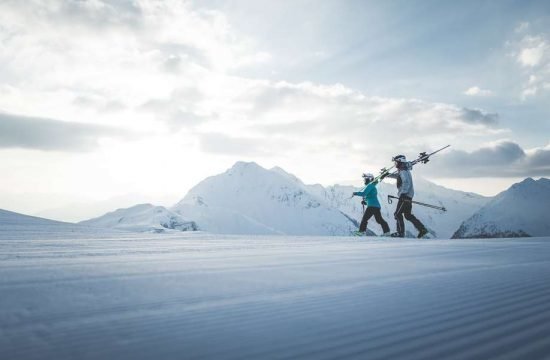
x,y
442,208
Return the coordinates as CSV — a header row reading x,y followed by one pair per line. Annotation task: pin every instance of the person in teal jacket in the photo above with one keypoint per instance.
x,y
370,198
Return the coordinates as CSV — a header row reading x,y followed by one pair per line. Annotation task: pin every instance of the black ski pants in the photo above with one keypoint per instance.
x,y
404,207
377,215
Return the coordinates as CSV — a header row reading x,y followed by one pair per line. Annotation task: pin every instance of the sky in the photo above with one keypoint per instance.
x,y
144,99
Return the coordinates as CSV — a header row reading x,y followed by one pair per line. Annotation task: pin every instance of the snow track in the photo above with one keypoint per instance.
x,y
194,296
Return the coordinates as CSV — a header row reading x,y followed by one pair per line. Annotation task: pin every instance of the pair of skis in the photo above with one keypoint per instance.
x,y
423,158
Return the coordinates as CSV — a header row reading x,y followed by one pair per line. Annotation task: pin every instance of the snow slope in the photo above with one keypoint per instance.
x,y
188,295
18,226
143,217
85,210
522,210
248,199
460,205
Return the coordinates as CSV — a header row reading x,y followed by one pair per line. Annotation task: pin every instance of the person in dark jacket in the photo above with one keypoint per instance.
x,y
370,198
406,193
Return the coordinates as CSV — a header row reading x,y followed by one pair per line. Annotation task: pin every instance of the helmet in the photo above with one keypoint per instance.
x,y
399,158
368,177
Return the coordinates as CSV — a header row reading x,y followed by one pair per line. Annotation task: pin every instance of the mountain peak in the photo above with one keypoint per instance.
x,y
514,212
530,182
243,168
241,165
281,171
526,181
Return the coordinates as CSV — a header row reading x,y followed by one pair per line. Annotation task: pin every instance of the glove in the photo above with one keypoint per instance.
x,y
384,174
363,202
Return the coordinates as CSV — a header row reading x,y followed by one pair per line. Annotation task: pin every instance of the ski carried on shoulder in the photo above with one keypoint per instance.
x,y
423,158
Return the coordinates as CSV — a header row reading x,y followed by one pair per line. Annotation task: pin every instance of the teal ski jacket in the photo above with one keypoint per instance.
x,y
369,194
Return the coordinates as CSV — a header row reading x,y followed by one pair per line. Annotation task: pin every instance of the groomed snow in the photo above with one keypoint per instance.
x,y
194,295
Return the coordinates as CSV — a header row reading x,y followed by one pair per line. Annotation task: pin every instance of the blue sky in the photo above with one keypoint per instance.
x,y
430,50
99,99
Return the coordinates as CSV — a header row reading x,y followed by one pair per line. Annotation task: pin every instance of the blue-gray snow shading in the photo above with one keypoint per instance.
x,y
522,210
143,217
19,226
191,295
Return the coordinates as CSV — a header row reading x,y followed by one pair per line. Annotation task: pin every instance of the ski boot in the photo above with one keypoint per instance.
x,y
397,234
358,233
386,234
422,233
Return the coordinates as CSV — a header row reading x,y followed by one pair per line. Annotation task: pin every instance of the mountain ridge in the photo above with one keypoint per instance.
x,y
515,212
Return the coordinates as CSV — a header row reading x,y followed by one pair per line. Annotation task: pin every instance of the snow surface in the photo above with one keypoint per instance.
x,y
190,295
143,217
522,210
18,226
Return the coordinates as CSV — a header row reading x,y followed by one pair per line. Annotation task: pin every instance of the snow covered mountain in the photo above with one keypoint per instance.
x,y
143,217
83,210
460,205
12,221
520,211
248,199
18,226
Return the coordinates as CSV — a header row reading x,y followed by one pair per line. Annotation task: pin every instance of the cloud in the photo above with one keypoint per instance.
x,y
116,44
172,66
532,53
218,143
46,134
337,110
522,27
501,159
477,91
98,103
94,14
182,109
476,116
